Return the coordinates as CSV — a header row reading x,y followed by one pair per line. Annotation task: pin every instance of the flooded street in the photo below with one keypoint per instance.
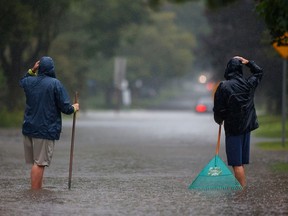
x,y
137,163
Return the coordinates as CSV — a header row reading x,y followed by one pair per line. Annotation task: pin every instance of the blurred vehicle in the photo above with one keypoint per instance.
x,y
204,105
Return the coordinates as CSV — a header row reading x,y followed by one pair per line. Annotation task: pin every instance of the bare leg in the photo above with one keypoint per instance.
x,y
37,173
240,175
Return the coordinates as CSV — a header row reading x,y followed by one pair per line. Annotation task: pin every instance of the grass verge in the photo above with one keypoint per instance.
x,y
275,146
271,127
280,167
272,146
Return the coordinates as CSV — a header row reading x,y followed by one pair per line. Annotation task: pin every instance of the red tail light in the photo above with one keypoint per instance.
x,y
201,108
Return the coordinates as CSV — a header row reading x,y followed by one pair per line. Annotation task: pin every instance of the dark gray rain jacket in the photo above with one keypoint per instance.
x,y
234,98
46,98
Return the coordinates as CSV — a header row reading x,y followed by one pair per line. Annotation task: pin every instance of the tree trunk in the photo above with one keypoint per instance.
x,y
108,91
13,72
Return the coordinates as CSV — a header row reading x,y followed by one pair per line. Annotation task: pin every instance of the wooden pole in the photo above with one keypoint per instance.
x,y
218,140
284,81
72,143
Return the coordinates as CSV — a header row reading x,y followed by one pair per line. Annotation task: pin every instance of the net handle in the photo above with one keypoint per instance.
x,y
218,140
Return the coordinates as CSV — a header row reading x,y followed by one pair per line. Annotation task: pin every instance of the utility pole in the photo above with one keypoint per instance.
x,y
281,46
284,87
119,77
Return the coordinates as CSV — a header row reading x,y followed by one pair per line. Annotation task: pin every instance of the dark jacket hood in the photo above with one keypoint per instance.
x,y
47,67
233,69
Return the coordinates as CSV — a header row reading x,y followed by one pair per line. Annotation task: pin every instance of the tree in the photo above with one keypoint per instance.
x,y
157,3
88,43
106,31
161,51
244,35
275,14
27,29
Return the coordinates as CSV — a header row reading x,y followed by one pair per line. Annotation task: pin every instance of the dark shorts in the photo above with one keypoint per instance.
x,y
238,149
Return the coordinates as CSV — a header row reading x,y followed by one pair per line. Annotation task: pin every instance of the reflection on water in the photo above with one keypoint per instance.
x,y
115,174
138,194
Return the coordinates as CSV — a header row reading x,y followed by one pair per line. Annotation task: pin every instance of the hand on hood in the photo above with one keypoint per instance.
x,y
234,67
243,60
35,67
46,66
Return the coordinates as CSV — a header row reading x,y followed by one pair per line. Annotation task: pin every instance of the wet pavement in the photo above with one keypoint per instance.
x,y
137,163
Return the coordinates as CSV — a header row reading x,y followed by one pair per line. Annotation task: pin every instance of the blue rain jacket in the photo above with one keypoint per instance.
x,y
234,99
46,98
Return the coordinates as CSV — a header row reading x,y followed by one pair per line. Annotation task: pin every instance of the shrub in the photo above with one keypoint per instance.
x,y
10,118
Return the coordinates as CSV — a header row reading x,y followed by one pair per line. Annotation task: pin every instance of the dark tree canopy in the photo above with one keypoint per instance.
x,y
275,14
27,28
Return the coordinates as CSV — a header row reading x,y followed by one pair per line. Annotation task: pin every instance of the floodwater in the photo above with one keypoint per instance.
x,y
137,163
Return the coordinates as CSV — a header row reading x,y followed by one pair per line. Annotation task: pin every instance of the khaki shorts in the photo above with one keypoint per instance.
x,y
38,151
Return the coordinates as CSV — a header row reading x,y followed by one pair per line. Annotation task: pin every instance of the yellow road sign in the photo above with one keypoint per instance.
x,y
282,47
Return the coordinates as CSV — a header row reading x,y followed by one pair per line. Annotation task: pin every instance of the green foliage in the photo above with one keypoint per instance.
x,y
155,4
29,24
212,4
84,52
280,167
270,126
272,146
106,31
218,3
161,50
10,119
90,33
70,62
3,88
95,102
85,49
27,29
275,14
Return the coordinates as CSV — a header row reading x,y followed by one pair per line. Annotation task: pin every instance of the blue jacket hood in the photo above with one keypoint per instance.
x,y
234,99
47,67
46,99
233,69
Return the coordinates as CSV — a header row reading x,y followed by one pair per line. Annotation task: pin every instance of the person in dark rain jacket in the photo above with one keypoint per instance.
x,y
46,99
234,104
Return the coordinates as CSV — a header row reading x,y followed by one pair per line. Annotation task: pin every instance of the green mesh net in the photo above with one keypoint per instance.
x,y
215,176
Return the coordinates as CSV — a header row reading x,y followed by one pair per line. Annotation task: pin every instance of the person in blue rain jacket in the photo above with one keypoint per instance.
x,y
46,99
234,105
